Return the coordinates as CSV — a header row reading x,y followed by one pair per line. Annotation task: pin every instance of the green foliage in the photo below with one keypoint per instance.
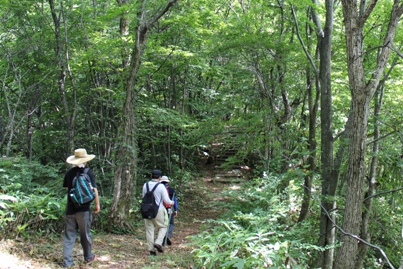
x,y
386,223
32,197
19,175
38,213
257,231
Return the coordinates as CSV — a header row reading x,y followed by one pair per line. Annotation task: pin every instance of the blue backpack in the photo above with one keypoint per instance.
x,y
82,191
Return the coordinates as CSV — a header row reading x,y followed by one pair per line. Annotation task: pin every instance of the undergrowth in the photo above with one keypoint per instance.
x,y
30,199
257,231
258,228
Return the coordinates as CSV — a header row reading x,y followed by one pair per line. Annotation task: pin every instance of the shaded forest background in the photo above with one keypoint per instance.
x,y
302,98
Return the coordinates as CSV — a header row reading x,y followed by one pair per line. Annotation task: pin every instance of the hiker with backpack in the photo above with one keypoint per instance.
x,y
82,190
154,212
172,210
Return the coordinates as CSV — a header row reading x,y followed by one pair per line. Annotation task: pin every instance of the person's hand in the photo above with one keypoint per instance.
x,y
175,213
97,209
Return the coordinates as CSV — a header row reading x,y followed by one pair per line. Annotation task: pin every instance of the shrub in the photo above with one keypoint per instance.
x,y
32,197
261,234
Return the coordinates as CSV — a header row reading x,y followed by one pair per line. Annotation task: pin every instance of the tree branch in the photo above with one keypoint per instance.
x,y
380,193
159,15
365,13
379,138
308,55
396,50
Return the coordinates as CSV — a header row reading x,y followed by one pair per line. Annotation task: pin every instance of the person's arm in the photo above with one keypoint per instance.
x,y
96,199
175,205
97,205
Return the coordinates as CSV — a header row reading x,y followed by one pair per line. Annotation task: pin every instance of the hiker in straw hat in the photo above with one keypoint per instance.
x,y
78,218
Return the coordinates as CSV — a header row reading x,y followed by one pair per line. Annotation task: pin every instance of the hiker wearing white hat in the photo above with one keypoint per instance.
x,y
171,209
78,218
156,225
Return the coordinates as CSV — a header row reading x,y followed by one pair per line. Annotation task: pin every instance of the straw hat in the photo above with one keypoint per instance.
x,y
80,156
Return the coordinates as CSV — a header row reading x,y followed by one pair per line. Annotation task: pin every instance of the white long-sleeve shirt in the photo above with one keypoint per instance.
x,y
160,192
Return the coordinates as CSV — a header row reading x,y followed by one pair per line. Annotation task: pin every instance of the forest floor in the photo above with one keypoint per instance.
x,y
128,250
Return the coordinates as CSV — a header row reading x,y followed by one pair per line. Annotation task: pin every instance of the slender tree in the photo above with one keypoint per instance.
x,y
312,103
126,157
61,51
329,174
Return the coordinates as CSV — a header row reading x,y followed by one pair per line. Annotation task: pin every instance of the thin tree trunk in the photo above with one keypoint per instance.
x,y
329,174
124,31
183,110
1,136
312,107
69,116
169,150
313,104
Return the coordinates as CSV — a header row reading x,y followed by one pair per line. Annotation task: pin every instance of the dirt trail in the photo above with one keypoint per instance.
x,y
123,251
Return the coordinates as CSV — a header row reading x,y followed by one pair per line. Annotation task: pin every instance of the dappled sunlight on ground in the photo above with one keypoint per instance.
x,y
235,187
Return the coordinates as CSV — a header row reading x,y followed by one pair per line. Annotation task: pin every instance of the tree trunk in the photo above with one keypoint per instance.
x,y
313,104
355,181
328,173
361,92
365,232
1,136
124,31
68,115
126,158
313,108
183,110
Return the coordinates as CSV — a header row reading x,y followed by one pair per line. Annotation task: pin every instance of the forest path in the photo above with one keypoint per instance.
x,y
129,250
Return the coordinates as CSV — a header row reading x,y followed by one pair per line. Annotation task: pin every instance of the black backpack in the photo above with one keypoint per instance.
x,y
149,208
82,191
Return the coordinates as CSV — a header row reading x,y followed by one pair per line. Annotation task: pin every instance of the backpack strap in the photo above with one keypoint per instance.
x,y
85,172
148,189
156,185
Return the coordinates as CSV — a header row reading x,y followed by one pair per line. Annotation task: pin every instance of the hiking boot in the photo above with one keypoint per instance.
x,y
159,248
153,253
91,259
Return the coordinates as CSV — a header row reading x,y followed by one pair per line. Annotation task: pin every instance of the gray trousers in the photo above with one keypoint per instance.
x,y
171,225
81,221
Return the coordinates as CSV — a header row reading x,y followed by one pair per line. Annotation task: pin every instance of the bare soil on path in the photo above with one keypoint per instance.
x,y
128,250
